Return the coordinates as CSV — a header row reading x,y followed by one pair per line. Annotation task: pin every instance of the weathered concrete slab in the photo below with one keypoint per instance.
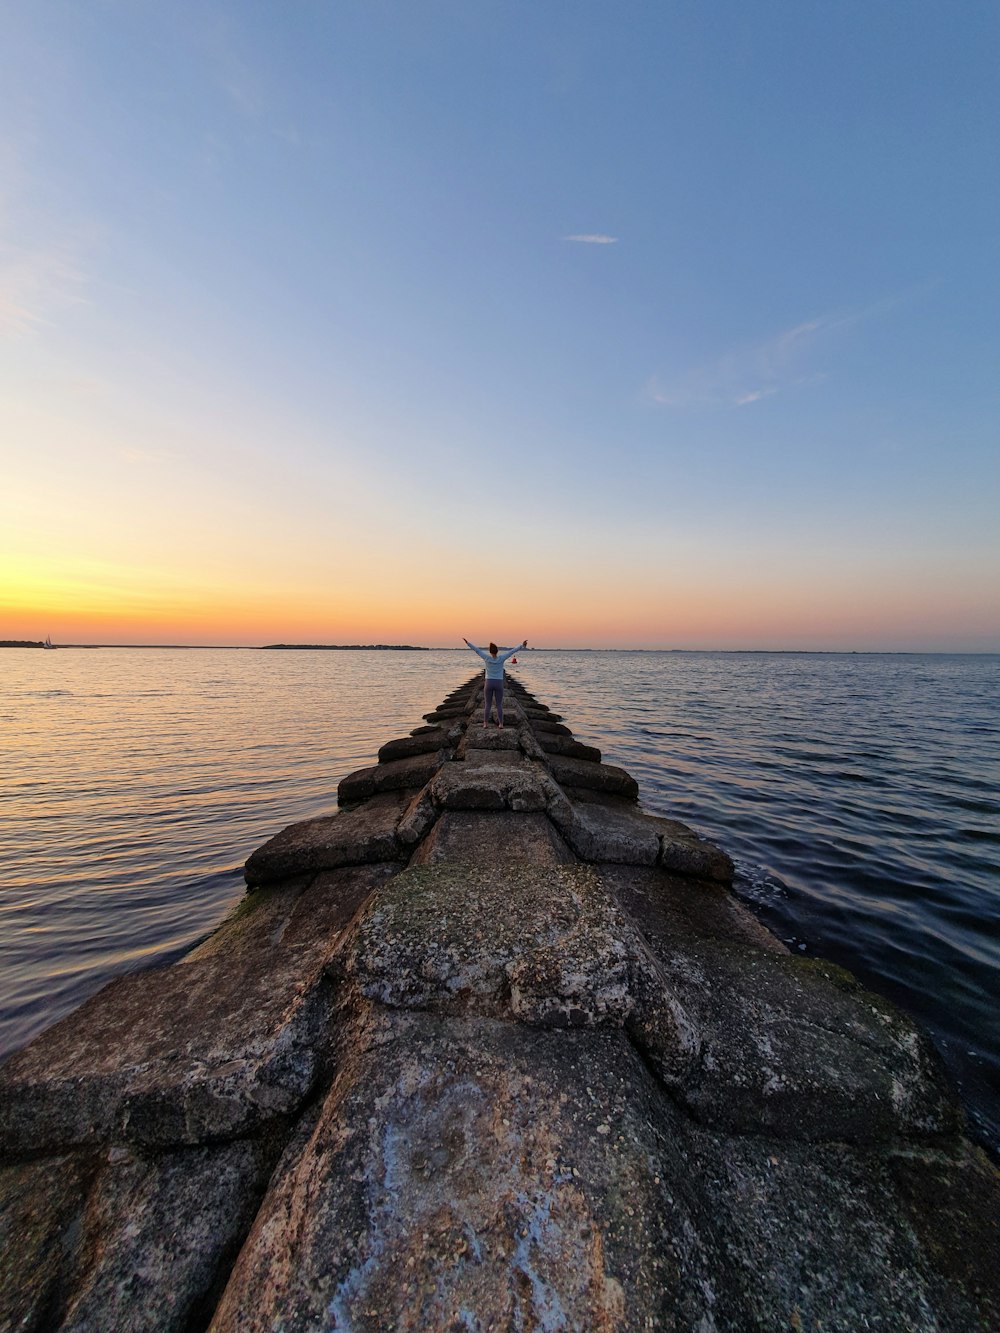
x,y
255,922
476,1174
489,837
449,714
159,1233
606,778
394,775
352,837
599,833
544,944
460,786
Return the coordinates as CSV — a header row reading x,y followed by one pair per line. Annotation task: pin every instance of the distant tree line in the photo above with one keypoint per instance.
x,y
348,647
21,643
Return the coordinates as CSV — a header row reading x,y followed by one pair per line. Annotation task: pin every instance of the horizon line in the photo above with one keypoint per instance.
x,y
584,648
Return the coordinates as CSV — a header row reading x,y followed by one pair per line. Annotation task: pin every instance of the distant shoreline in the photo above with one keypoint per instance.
x,y
446,648
346,647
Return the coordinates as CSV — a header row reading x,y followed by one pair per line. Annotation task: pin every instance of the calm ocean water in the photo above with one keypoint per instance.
x,y
859,795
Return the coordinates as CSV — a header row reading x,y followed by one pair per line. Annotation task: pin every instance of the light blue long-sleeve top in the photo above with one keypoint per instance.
x,y
494,665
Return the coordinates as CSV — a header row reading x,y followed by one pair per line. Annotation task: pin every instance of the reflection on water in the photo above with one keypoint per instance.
x,y
858,795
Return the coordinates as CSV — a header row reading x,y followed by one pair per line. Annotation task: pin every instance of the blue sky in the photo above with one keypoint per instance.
x,y
666,325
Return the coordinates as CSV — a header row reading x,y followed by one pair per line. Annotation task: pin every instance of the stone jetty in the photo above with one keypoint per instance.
x,y
491,1048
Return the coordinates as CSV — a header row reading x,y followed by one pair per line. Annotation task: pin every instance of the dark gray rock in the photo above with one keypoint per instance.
x,y
175,1056
489,837
599,833
434,739
617,832
797,1048
353,837
594,777
460,786
677,911
395,775
812,1236
544,728
571,749
687,853
490,739
257,919
158,1234
945,1196
40,1202
309,912
446,716
507,757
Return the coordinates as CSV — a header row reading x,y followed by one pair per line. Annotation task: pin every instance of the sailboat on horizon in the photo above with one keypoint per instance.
x,y
48,642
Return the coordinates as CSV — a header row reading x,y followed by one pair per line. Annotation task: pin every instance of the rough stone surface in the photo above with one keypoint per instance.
x,y
476,1174
481,739
543,728
459,786
814,1239
685,852
598,833
434,739
352,837
945,1197
542,944
179,1055
393,775
595,777
39,1204
618,832
571,749
485,758
156,1233
490,836
676,909
797,1048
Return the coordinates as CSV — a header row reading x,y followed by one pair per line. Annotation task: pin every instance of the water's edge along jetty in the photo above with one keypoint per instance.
x,y
491,1048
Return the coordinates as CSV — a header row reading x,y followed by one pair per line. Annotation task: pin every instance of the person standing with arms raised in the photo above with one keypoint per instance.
x,y
494,660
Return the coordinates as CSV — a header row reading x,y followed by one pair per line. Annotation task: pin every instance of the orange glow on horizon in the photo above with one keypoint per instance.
x,y
136,606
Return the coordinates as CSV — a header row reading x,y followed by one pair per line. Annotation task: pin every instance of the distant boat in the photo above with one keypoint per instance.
x,y
48,642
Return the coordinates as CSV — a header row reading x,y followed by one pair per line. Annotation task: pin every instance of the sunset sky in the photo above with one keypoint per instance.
x,y
652,325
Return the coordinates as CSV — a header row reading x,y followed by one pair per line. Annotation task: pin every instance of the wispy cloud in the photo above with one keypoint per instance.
x,y
33,283
748,374
593,238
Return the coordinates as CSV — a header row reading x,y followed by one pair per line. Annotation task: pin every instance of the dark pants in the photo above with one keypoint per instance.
x,y
494,691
